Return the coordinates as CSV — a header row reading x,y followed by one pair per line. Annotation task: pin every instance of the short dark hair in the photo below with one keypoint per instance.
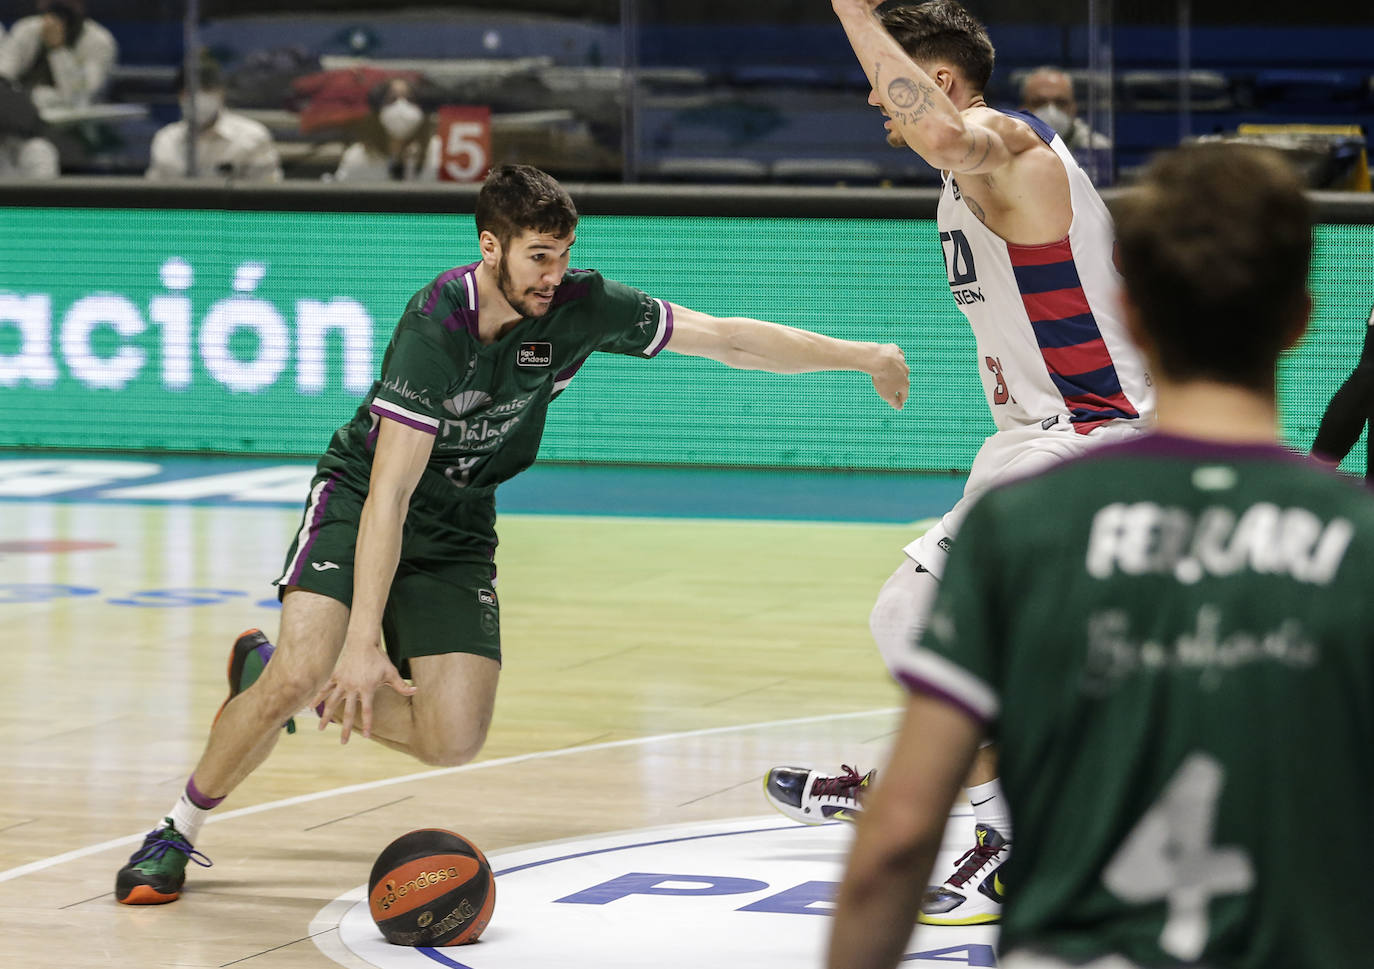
x,y
1215,245
209,77
520,198
942,30
72,13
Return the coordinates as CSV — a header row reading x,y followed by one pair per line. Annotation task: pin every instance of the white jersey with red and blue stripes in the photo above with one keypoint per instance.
x,y
1051,343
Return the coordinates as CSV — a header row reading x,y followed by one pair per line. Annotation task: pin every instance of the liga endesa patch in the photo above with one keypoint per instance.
x,y
749,893
534,355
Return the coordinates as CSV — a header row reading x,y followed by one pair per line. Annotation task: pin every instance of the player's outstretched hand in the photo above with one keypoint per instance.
x,y
891,376
347,696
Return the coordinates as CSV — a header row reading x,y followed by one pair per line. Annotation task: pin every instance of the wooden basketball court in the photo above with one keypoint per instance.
x,y
654,669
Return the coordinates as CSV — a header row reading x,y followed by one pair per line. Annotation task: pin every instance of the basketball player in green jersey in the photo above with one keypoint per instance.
x,y
1178,662
398,536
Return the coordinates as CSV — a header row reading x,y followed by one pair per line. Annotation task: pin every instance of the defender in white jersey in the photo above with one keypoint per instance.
x,y
1057,367
1028,248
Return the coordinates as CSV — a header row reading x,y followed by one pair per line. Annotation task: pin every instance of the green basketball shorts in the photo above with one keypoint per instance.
x,y
443,597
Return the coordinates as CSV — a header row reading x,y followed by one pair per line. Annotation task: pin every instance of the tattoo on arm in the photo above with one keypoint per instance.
x,y
910,99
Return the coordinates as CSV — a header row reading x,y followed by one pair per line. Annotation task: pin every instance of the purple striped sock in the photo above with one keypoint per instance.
x,y
200,800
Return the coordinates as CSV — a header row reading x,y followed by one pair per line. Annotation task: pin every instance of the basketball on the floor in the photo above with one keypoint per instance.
x,y
431,887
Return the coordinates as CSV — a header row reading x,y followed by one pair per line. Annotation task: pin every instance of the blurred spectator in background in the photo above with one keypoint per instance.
x,y
59,55
24,153
228,145
396,141
1047,93
56,59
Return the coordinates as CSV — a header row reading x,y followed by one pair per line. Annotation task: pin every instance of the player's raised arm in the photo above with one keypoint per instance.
x,y
918,104
747,344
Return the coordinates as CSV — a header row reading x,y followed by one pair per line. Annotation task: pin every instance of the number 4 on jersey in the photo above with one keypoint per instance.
x,y
1169,856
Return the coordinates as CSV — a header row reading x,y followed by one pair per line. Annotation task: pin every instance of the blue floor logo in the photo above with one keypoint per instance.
x,y
751,892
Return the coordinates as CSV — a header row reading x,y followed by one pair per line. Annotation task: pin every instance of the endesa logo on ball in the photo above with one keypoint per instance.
x,y
749,893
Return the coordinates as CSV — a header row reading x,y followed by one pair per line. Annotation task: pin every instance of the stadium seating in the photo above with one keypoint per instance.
x,y
787,101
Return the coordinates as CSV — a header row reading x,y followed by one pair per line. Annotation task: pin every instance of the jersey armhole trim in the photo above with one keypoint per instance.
x,y
928,672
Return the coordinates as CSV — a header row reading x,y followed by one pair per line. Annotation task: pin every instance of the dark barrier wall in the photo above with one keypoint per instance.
x,y
1280,12
253,320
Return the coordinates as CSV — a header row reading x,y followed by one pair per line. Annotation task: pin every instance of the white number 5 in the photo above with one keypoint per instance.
x,y
1169,855
467,157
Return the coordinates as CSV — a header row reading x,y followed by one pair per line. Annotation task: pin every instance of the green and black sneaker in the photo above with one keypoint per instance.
x,y
156,871
247,660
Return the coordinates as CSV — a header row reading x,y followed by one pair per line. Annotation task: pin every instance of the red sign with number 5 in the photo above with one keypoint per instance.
x,y
465,141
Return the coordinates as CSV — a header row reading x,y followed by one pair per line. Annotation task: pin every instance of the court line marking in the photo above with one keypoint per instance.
x,y
73,855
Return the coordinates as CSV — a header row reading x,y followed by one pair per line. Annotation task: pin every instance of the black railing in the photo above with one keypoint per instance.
x,y
591,199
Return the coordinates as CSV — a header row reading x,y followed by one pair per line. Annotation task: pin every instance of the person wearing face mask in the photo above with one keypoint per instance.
x,y
396,141
57,58
1047,93
228,145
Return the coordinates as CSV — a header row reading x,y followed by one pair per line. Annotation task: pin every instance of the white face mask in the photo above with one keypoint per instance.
x,y
1054,116
208,106
401,118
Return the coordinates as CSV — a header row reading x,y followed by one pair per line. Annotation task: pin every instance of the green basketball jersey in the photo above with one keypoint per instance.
x,y
1173,644
486,404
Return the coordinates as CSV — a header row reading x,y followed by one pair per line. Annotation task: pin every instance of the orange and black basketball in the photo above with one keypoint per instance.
x,y
431,887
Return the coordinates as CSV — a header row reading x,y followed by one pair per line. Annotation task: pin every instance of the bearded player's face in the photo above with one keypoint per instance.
x,y
530,268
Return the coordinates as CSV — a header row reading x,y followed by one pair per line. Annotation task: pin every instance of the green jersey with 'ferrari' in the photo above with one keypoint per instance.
x,y
1173,644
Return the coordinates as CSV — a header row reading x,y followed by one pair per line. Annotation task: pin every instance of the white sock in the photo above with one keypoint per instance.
x,y
187,818
990,807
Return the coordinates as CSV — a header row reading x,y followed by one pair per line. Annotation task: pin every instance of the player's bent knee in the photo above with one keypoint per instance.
x,y
452,706
451,743
453,750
